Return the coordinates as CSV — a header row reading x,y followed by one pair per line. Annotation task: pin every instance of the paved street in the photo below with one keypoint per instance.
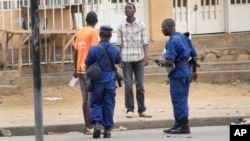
x,y
205,133
210,105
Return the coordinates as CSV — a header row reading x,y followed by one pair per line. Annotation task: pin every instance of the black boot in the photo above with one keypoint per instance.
x,y
177,123
97,130
182,129
107,133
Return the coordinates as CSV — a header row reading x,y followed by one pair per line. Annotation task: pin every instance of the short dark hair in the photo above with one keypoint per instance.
x,y
169,22
131,4
91,18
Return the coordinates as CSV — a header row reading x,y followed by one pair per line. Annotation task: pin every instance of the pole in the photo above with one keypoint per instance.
x,y
36,70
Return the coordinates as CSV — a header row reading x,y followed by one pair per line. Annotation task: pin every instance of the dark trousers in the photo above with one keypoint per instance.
x,y
103,103
136,69
179,91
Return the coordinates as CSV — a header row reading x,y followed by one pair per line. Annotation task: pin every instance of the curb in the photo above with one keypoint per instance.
x,y
131,125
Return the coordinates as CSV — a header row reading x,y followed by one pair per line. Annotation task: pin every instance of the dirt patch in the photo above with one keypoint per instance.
x,y
156,93
62,104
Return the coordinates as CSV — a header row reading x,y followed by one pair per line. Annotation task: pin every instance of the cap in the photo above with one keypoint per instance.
x,y
106,28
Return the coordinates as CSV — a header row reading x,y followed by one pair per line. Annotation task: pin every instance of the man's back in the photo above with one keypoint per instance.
x,y
85,38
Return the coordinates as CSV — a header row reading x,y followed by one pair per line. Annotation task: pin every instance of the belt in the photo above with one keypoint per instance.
x,y
181,63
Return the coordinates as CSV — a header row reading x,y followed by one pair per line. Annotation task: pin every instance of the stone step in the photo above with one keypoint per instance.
x,y
9,90
55,79
207,66
225,65
225,50
224,76
221,40
223,57
217,54
210,71
234,53
8,77
8,82
207,41
207,76
229,47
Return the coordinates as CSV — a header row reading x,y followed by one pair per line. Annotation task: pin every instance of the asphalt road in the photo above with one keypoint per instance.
x,y
205,133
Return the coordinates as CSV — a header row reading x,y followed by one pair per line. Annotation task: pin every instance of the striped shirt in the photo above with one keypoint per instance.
x,y
132,38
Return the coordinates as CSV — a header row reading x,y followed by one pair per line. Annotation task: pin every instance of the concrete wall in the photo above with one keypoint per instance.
x,y
159,10
223,47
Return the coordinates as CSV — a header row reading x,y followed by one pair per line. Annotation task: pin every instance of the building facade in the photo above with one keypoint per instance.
x,y
195,16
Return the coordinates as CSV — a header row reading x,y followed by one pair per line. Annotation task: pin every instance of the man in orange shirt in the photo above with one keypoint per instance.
x,y
85,38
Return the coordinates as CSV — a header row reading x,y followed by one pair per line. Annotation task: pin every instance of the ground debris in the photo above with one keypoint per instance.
x,y
5,133
242,121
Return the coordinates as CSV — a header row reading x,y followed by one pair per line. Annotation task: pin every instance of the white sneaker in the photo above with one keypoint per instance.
x,y
88,131
130,114
145,114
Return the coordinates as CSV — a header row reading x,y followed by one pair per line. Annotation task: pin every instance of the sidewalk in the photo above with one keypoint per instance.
x,y
210,105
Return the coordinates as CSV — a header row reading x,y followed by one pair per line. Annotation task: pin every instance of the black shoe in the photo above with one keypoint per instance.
x,y
107,133
181,130
176,125
97,130
168,130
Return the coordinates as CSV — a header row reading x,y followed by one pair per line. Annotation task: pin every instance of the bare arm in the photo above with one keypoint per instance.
x,y
75,64
166,63
120,48
145,48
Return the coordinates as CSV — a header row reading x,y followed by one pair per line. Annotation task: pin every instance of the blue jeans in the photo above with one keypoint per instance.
x,y
136,69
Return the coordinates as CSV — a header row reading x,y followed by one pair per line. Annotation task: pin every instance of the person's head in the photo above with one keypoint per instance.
x,y
130,9
168,26
105,32
91,18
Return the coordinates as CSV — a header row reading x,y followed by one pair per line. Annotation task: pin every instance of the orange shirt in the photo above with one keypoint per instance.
x,y
85,38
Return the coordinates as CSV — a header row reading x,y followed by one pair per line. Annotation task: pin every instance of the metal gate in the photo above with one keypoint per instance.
x,y
111,12
57,15
199,16
238,16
